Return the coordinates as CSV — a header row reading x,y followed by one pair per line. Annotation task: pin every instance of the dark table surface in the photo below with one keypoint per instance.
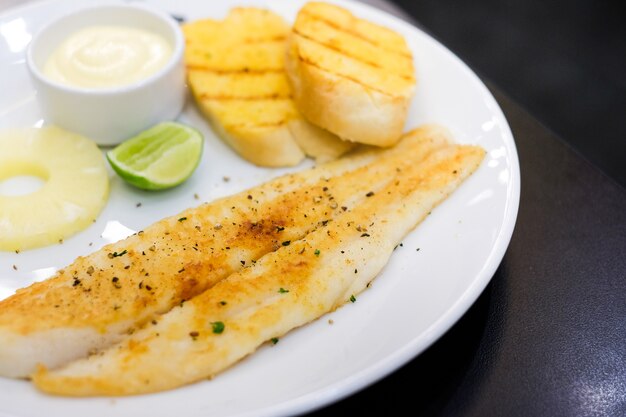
x,y
548,335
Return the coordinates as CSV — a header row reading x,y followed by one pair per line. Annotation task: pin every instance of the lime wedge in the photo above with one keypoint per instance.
x,y
158,158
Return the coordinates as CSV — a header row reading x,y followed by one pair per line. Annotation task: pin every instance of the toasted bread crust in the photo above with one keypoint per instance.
x,y
347,80
237,75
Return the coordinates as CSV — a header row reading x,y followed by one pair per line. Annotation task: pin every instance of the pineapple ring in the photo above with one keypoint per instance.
x,y
75,189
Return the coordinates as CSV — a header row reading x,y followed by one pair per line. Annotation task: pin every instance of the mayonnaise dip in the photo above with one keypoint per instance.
x,y
107,56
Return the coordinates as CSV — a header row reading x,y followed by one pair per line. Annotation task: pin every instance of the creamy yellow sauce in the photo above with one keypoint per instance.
x,y
107,56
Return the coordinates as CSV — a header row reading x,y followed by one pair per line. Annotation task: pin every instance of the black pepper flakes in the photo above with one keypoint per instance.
x,y
371,193
116,283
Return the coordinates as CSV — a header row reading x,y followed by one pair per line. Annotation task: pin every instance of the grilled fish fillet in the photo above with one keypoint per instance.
x,y
236,71
98,299
284,289
350,76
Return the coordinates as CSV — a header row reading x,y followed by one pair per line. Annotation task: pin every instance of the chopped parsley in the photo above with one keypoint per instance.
x,y
115,254
218,327
282,290
317,252
286,243
274,340
182,219
352,298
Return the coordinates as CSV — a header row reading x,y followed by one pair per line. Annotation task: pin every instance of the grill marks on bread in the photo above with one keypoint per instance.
x,y
236,70
353,45
350,76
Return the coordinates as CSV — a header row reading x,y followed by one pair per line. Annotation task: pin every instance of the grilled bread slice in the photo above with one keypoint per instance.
x,y
284,289
350,76
237,75
99,298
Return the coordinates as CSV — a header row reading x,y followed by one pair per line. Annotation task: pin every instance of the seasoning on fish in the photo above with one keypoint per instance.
x,y
283,290
101,298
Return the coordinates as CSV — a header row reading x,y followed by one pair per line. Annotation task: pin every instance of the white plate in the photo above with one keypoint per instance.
x,y
417,297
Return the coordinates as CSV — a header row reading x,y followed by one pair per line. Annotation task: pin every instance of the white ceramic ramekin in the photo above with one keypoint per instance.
x,y
111,115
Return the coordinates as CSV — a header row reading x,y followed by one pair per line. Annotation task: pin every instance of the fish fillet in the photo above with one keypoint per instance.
x,y
283,290
98,299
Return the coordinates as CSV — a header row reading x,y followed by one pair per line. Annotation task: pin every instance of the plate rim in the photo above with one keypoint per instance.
x,y
338,390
